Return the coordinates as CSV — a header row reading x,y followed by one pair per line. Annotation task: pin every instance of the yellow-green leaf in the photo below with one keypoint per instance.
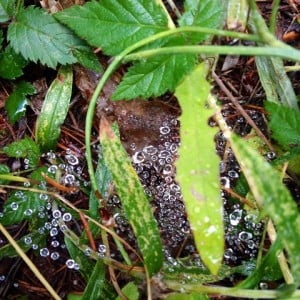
x,y
134,201
198,169
55,109
270,193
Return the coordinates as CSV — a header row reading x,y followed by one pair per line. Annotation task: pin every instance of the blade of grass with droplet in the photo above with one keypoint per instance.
x,y
55,109
198,169
134,201
273,197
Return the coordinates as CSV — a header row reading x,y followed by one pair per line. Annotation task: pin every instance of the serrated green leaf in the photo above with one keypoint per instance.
x,y
133,198
4,170
270,193
54,109
114,25
88,59
25,148
16,102
11,64
198,169
284,123
130,290
202,13
6,9
39,37
156,75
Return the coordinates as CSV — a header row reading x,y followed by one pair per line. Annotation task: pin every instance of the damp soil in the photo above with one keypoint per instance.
x,y
149,131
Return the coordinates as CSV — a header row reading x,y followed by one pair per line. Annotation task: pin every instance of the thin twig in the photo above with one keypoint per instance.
x,y
241,110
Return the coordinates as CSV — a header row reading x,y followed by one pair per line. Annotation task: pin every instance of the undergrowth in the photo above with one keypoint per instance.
x,y
161,53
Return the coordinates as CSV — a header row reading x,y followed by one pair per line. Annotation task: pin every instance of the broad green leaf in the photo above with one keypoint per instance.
x,y
6,9
156,75
133,198
284,123
198,169
4,170
55,109
95,285
16,102
11,64
130,290
87,58
274,198
25,148
273,77
202,13
39,37
115,25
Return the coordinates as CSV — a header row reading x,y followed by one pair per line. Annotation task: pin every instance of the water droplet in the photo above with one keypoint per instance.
x,y
69,179
55,243
54,255
102,248
44,252
28,212
87,251
26,184
151,150
271,155
164,130
70,263
235,217
244,235
14,205
56,214
2,278
34,246
225,182
72,159
27,240
233,174
53,231
263,285
67,217
47,225
138,157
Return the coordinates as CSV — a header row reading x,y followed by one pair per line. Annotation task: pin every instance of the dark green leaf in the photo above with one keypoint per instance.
x,y
114,25
39,37
86,265
88,59
11,64
55,109
25,148
274,198
198,169
268,269
4,170
9,251
284,123
201,13
16,102
95,285
156,75
6,9
1,38
133,198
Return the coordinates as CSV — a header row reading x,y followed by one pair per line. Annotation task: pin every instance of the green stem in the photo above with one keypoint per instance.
x,y
286,53
118,59
275,7
225,291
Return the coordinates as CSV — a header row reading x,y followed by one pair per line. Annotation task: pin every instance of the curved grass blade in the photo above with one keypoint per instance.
x,y
270,193
198,169
133,198
55,109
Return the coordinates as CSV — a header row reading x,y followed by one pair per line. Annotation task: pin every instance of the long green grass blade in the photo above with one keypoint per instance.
x,y
55,109
198,169
133,198
274,198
